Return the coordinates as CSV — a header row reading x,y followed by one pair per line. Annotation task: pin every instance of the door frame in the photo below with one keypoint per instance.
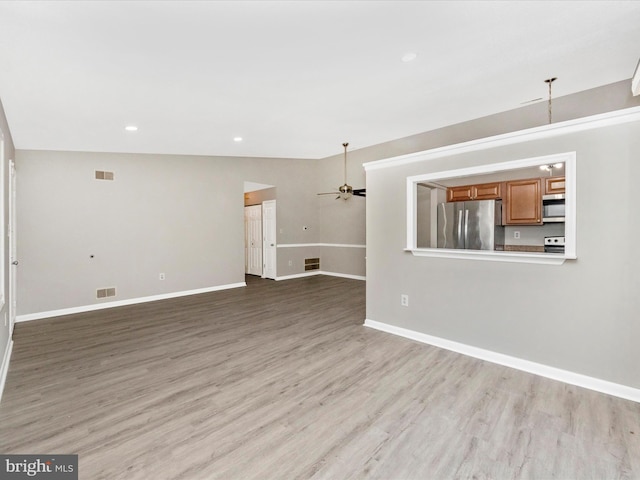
x,y
269,245
13,251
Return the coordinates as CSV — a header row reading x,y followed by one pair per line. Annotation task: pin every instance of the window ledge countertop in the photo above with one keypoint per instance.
x,y
492,256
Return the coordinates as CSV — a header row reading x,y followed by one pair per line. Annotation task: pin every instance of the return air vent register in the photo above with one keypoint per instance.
x,y
106,292
311,264
102,175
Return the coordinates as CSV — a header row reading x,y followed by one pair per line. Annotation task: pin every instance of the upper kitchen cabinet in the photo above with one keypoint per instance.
x,y
483,191
487,191
553,185
460,194
523,202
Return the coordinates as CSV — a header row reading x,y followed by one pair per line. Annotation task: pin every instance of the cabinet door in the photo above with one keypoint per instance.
x,y
459,194
523,202
553,185
487,191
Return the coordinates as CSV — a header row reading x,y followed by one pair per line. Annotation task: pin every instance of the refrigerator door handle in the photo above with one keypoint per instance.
x,y
466,228
459,230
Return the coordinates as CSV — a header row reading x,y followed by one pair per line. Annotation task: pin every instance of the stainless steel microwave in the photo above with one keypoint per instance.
x,y
553,208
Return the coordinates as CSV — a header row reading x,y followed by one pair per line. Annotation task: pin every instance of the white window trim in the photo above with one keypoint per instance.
x,y
569,159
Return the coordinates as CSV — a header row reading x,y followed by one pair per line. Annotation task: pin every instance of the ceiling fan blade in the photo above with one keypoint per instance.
x,y
360,192
328,193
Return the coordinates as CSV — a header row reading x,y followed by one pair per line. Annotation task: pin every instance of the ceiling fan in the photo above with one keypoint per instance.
x,y
346,191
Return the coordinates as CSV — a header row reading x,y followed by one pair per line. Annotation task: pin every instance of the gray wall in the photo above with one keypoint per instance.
x,y
342,222
425,217
607,98
180,215
9,152
581,316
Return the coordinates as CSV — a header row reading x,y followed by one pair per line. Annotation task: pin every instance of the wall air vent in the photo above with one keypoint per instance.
x,y
102,175
311,264
106,292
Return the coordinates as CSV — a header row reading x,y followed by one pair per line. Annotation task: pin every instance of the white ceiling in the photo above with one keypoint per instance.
x,y
293,78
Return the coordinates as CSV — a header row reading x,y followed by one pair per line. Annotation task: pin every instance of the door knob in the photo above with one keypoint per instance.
x,y
15,262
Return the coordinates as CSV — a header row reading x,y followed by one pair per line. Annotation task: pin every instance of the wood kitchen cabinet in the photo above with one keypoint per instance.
x,y
459,194
487,191
523,202
553,185
484,191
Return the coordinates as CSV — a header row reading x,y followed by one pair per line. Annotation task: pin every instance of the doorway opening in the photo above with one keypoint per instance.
x,y
260,230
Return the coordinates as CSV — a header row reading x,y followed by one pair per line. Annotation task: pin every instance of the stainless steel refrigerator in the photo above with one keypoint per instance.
x,y
473,225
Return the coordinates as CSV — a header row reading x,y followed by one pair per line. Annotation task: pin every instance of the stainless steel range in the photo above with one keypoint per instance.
x,y
554,244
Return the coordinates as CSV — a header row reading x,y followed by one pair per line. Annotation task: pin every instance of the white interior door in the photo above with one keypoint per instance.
x,y
269,238
253,239
13,254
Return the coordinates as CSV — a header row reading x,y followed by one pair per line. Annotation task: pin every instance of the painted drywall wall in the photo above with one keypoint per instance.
x,y
606,98
581,316
342,222
5,330
349,261
178,215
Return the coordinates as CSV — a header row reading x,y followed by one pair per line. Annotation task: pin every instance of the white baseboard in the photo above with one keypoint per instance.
x,y
572,378
298,275
120,303
303,245
321,272
5,365
344,275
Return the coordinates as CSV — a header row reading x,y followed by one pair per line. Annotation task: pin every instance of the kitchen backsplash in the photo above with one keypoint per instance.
x,y
532,234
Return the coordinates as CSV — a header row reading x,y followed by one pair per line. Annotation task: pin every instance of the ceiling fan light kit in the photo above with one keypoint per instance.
x,y
346,191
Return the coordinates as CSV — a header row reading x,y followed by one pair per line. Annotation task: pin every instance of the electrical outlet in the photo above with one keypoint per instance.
x,y
516,234
290,263
161,276
404,300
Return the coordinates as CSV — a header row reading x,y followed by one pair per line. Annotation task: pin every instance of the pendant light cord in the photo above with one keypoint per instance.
x,y
345,145
550,81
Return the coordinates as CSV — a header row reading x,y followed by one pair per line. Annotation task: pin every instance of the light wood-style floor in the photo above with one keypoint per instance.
x,y
280,380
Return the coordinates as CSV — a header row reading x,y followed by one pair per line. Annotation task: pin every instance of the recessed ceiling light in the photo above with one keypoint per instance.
x,y
409,57
131,128
237,139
